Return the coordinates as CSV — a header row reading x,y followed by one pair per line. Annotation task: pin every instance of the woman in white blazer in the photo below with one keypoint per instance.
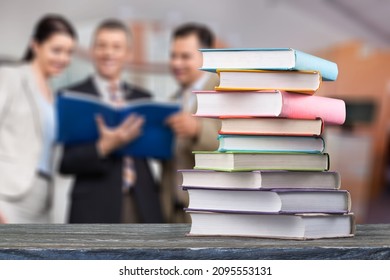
x,y
27,123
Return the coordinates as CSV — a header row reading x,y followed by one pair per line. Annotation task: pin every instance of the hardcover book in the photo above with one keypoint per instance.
x,y
307,82
76,115
267,59
271,126
271,144
282,226
260,179
269,201
244,161
270,104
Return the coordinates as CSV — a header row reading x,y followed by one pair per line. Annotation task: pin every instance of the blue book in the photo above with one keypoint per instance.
x,y
76,115
267,59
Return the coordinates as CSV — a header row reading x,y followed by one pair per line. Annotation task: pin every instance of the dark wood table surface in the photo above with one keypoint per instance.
x,y
168,241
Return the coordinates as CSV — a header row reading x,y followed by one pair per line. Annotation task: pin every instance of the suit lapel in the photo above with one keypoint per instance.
x,y
127,91
90,87
31,91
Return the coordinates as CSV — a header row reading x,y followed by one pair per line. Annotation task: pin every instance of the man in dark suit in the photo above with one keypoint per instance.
x,y
109,188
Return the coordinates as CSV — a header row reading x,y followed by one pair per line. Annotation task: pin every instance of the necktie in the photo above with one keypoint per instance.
x,y
129,174
115,97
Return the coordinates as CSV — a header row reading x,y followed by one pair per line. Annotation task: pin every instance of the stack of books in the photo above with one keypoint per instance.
x,y
269,177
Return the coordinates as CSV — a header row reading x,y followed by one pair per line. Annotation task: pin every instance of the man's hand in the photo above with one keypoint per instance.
x,y
184,125
113,138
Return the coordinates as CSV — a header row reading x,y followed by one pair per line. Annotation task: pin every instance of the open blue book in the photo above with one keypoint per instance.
x,y
267,59
76,115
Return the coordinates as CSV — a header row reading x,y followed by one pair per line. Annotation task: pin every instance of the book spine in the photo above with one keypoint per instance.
x,y
322,127
304,61
338,180
353,224
298,106
327,162
323,144
349,202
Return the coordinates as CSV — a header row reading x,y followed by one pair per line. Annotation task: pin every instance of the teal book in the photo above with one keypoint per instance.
x,y
271,144
267,59
76,114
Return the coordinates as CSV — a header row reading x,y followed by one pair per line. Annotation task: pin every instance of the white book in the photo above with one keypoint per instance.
x,y
266,58
229,104
298,226
260,179
269,201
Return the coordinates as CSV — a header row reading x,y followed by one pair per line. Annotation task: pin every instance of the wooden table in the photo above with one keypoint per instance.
x,y
168,241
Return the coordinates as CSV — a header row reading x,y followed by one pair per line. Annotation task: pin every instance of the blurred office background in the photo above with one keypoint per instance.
x,y
354,34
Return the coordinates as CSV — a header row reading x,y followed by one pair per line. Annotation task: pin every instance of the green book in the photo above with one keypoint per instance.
x,y
248,161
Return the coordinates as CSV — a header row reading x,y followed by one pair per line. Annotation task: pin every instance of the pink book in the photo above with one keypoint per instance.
x,y
298,106
270,104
